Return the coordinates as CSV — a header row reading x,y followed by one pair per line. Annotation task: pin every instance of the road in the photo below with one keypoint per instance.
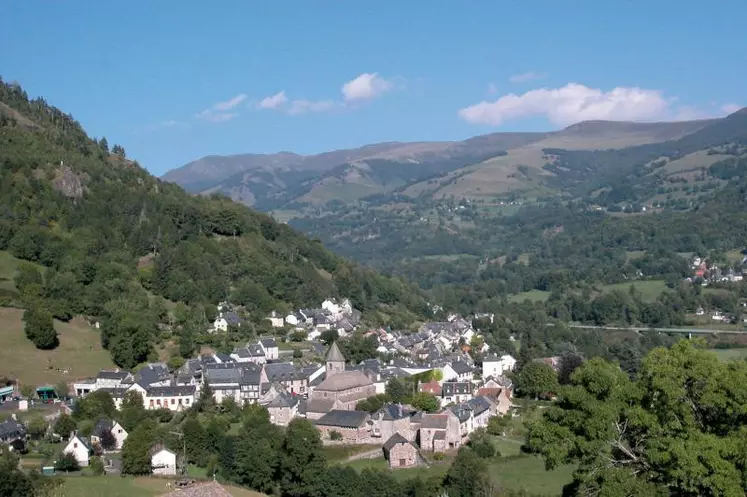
x,y
693,331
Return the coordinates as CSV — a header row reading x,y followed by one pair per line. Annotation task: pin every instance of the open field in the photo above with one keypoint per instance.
x,y
79,352
117,486
649,289
533,295
528,473
8,267
730,354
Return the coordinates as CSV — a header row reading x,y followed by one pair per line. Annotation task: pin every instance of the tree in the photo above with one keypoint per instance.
x,y
37,428
136,450
257,454
569,362
480,442
302,463
13,481
497,425
196,441
396,390
466,474
329,336
537,378
97,466
39,328
373,404
108,441
67,462
62,390
104,144
425,402
64,425
643,436
119,150
96,405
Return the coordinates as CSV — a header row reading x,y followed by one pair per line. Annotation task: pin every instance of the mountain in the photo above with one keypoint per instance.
x,y
489,162
118,244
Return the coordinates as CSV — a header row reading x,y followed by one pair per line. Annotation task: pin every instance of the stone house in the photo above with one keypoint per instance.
x,y
439,432
285,373
400,452
392,419
283,408
354,426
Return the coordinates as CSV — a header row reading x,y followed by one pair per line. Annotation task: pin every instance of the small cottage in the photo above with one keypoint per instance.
x,y
400,452
78,447
162,461
107,425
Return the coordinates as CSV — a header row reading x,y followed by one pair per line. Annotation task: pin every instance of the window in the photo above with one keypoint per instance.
x,y
119,430
75,445
186,401
173,401
403,462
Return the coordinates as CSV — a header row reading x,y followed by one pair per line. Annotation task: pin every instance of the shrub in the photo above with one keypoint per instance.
x,y
335,435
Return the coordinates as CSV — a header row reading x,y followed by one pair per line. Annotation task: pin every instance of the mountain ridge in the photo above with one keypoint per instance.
x,y
267,180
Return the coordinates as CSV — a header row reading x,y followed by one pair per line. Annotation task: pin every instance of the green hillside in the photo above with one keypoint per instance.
x,y
116,241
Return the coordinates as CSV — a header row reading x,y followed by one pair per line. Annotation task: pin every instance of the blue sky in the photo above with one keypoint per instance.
x,y
173,81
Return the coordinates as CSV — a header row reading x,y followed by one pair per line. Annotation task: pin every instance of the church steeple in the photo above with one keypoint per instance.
x,y
335,360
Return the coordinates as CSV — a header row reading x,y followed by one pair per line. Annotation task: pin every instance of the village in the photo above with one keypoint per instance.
x,y
321,386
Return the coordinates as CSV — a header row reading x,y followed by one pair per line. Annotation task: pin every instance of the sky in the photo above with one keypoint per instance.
x,y
173,81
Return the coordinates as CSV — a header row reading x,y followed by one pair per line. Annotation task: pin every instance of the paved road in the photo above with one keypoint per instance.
x,y
694,331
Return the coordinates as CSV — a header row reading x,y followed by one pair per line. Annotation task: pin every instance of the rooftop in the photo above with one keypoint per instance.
x,y
343,419
334,353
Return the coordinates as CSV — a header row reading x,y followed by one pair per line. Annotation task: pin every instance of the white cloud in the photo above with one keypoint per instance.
x,y
273,101
216,117
527,76
572,103
730,108
365,87
308,106
218,112
230,104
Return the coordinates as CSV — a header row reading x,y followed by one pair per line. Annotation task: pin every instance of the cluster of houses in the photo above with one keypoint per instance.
x,y
704,273
332,315
328,393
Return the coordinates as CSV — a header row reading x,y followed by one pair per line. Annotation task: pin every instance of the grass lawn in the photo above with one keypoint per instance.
x,y
533,295
117,486
649,289
528,473
437,468
730,354
335,453
79,352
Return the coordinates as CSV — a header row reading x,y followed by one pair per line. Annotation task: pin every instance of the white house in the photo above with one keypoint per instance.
x,y
78,447
331,306
117,431
291,319
458,371
162,461
276,321
174,398
493,366
270,348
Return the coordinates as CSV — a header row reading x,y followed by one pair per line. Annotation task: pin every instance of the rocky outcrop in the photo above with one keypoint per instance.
x,y
67,182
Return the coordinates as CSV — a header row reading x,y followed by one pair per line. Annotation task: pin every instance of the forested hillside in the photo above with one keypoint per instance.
x,y
116,242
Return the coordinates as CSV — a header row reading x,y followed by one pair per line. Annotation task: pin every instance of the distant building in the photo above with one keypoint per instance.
x,y
162,461
79,448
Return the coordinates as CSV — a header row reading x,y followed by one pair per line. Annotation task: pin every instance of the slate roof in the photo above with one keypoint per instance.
x,y
152,373
461,367
112,375
434,421
12,429
393,412
344,381
282,371
102,426
395,439
479,405
456,388
255,350
231,317
283,399
334,353
268,342
214,376
319,405
251,376
343,419
462,411
174,391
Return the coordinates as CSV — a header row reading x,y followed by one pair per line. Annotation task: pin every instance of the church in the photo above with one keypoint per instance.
x,y
340,390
